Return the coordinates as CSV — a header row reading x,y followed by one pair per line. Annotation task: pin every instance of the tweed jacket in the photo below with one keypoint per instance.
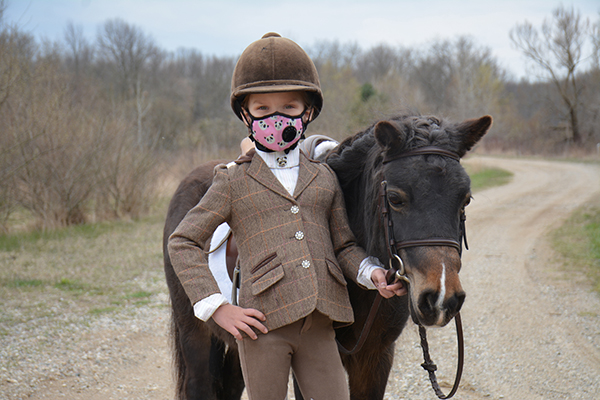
x,y
294,251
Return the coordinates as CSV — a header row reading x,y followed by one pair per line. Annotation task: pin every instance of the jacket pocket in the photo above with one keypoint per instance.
x,y
336,271
264,262
267,280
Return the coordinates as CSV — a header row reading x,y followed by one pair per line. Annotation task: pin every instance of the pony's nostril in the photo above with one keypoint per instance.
x,y
428,301
454,303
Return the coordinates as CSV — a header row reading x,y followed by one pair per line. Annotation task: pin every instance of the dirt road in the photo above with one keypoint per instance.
x,y
529,334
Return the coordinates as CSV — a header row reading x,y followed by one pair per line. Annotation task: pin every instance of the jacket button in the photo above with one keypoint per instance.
x,y
295,209
299,235
305,264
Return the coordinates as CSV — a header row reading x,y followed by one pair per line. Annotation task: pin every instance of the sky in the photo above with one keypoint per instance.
x,y
225,28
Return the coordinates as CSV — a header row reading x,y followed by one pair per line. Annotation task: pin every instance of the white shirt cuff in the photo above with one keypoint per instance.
x,y
367,266
205,308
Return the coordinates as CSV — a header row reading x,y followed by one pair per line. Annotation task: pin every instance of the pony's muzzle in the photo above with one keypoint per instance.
x,y
435,311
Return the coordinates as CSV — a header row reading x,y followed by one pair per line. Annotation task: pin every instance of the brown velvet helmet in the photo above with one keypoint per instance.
x,y
274,64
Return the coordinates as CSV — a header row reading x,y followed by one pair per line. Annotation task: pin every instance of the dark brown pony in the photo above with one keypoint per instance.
x,y
426,194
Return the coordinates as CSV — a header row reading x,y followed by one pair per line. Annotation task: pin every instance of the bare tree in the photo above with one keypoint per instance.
x,y
595,35
129,50
16,50
81,53
377,63
132,54
557,51
458,78
334,53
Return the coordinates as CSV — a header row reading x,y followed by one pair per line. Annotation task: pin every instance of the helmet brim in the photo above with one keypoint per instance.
x,y
273,87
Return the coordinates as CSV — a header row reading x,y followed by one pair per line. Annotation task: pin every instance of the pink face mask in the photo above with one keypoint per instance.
x,y
277,131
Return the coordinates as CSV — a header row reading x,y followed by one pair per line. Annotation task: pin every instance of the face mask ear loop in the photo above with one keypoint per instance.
x,y
311,107
244,114
311,113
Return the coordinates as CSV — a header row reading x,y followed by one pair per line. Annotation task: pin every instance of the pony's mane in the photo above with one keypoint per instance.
x,y
418,131
349,157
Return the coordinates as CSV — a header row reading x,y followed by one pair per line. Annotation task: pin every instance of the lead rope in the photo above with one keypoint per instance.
x,y
365,330
430,366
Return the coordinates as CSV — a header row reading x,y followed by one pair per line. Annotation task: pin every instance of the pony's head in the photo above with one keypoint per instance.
x,y
427,192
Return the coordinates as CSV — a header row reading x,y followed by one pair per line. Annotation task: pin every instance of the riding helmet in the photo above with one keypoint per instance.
x,y
274,64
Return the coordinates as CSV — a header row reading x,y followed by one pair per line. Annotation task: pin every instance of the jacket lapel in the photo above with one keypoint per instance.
x,y
259,171
308,171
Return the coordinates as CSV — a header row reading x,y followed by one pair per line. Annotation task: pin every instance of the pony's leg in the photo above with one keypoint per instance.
x,y
368,373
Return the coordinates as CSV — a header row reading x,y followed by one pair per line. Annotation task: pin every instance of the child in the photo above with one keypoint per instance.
x,y
295,246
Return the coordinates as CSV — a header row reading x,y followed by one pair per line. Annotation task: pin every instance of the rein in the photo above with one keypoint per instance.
x,y
397,271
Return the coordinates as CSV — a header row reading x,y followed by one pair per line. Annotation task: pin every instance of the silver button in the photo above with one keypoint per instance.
x,y
295,209
305,264
299,235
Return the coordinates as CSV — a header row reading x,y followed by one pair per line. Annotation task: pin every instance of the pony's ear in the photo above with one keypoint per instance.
x,y
471,131
388,135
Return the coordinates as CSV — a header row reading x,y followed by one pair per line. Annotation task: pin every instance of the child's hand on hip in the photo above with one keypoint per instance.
x,y
235,319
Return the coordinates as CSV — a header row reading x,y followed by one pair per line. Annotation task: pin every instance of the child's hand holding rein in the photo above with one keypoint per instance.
x,y
235,319
395,289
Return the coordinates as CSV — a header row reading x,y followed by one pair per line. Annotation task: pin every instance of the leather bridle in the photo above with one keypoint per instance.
x,y
397,271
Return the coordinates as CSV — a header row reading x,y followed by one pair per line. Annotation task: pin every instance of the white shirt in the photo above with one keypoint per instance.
x,y
285,167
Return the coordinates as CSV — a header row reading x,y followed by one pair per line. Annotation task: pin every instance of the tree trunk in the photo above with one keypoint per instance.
x,y
574,125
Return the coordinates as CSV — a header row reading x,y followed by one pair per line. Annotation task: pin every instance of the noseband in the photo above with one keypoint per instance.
x,y
396,263
398,270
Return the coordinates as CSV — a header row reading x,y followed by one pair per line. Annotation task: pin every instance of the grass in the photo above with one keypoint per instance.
x,y
29,239
139,295
483,177
100,311
69,285
578,242
24,283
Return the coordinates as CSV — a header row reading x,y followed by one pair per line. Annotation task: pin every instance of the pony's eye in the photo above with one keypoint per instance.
x,y
396,200
467,200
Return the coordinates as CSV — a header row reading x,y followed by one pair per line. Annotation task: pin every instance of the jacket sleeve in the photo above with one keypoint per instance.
x,y
348,253
188,245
